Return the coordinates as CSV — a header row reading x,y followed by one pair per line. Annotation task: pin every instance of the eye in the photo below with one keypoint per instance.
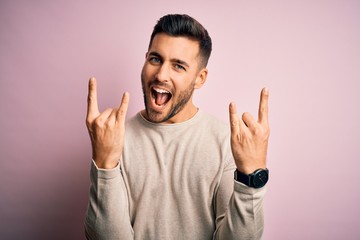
x,y
154,60
179,67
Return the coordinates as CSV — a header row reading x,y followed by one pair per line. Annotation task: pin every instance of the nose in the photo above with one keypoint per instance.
x,y
163,73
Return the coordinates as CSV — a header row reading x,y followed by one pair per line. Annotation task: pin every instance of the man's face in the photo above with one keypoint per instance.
x,y
169,76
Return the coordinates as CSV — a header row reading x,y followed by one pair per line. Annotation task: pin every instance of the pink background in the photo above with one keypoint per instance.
x,y
306,52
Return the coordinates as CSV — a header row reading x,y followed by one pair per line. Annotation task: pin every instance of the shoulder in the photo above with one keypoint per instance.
x,y
135,123
214,125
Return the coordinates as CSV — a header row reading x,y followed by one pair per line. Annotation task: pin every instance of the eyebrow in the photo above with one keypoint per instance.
x,y
175,60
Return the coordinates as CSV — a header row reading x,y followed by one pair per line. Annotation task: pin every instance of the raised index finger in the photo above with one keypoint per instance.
x,y
92,109
263,106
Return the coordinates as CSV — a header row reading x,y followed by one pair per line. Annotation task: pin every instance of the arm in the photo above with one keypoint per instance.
x,y
239,209
107,215
243,217
108,211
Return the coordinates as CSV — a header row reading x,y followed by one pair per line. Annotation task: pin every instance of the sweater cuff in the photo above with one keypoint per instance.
x,y
104,173
243,189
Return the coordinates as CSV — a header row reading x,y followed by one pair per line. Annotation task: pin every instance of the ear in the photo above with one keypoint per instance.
x,y
201,78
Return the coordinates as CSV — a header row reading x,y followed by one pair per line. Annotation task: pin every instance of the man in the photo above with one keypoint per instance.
x,y
171,174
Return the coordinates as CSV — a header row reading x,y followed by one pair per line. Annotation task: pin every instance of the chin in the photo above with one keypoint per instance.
x,y
153,116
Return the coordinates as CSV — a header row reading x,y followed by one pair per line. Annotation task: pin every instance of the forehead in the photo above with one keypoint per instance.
x,y
182,48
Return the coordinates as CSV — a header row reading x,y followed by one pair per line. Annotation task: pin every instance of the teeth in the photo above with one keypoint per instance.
x,y
159,90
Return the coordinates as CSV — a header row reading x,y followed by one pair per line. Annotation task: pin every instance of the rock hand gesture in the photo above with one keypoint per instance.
x,y
249,138
106,129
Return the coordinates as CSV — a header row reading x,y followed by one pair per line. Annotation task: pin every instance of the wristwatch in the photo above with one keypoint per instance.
x,y
256,179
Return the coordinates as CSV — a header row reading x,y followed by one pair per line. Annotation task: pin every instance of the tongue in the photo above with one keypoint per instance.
x,y
161,98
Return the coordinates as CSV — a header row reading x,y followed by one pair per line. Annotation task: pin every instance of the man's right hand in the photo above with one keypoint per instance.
x,y
106,129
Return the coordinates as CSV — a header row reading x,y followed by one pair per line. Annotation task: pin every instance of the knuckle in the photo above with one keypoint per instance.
x,y
90,98
236,138
107,124
262,133
267,132
122,112
257,131
243,136
88,122
98,121
234,122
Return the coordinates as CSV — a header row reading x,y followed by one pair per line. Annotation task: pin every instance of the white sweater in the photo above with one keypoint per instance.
x,y
174,181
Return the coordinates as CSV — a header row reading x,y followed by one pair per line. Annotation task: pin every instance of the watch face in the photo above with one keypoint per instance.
x,y
261,177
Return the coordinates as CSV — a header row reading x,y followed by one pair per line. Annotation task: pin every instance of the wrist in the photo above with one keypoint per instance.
x,y
106,164
256,179
106,161
249,169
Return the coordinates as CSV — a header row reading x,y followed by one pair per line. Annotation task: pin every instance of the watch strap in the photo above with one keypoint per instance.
x,y
243,178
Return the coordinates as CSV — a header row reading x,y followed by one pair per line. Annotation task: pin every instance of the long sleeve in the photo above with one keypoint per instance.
x,y
241,217
107,215
174,181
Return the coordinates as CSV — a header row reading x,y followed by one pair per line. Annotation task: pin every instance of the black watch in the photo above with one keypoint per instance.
x,y
256,179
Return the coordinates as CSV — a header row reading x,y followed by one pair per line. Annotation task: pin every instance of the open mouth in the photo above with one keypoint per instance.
x,y
160,96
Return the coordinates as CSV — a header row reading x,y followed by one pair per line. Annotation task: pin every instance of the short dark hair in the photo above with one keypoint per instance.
x,y
182,25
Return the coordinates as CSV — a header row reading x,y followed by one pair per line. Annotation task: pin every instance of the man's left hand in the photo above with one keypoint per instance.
x,y
249,138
